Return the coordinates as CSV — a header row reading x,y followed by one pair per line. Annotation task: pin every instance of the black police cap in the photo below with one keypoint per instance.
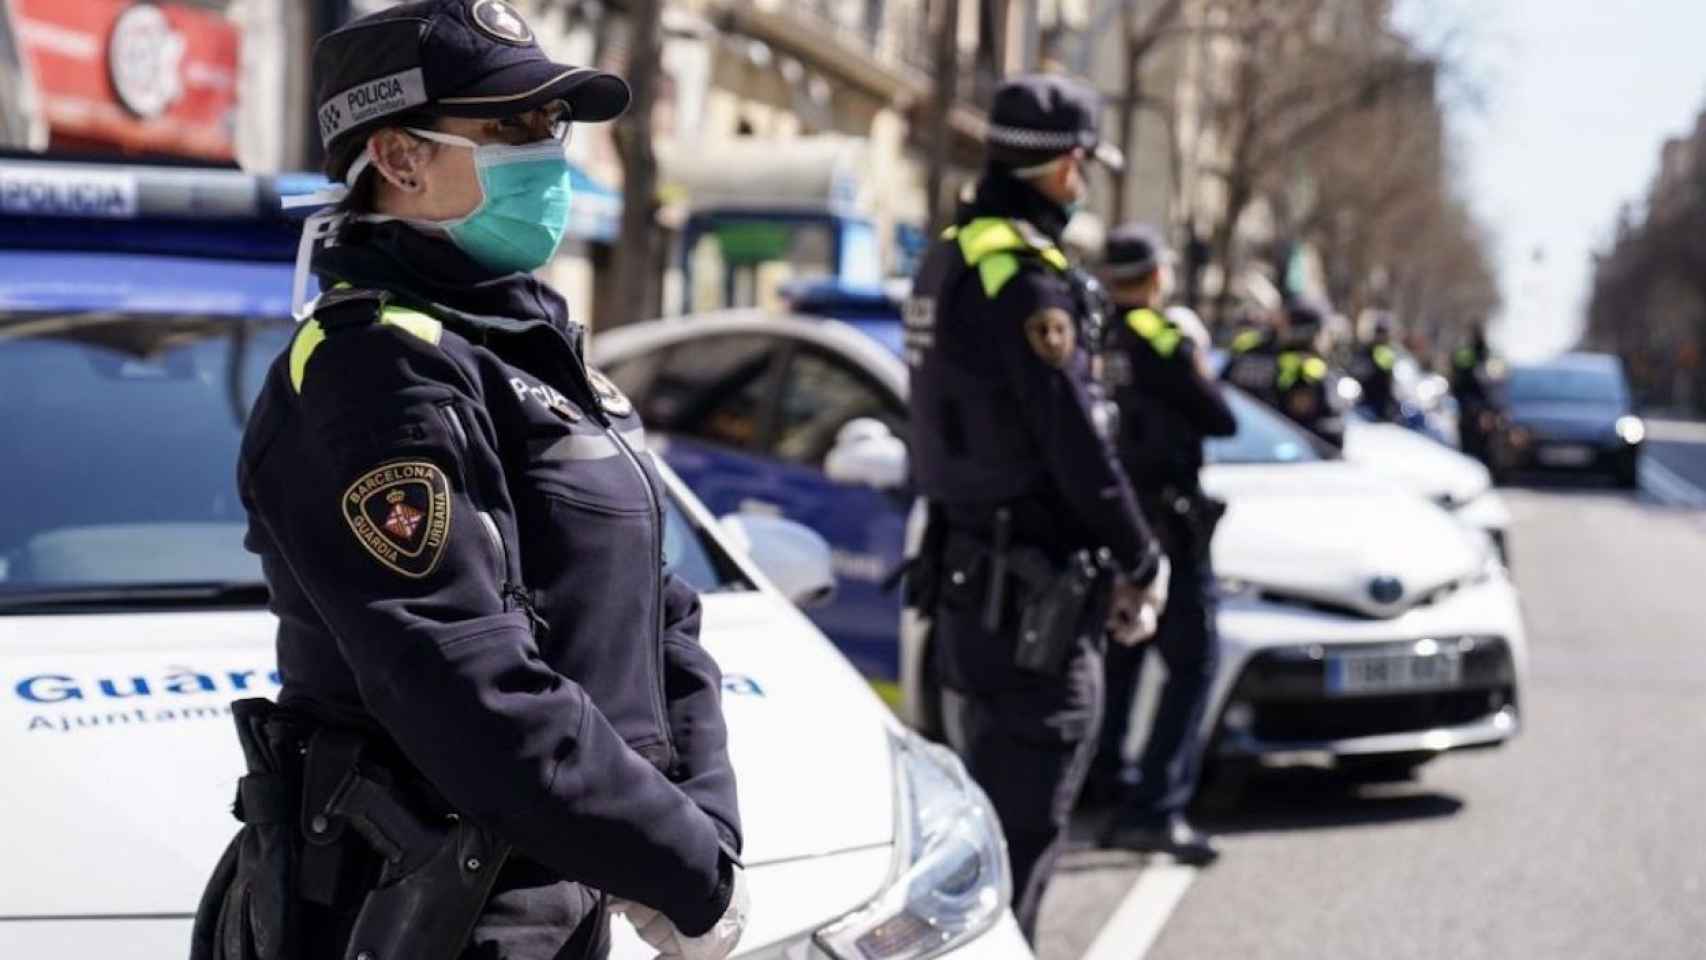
x,y
456,58
1133,251
1306,315
1039,117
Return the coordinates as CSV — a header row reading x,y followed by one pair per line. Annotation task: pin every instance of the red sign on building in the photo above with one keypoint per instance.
x,y
136,77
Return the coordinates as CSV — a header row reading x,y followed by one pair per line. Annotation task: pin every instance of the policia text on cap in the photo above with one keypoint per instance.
x,y
1035,547
497,723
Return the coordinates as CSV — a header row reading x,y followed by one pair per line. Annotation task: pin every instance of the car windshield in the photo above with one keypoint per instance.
x,y
1263,436
121,436
1564,385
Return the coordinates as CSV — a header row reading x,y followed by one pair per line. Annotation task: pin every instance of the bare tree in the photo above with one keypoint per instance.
x,y
1289,73
1140,35
946,17
636,256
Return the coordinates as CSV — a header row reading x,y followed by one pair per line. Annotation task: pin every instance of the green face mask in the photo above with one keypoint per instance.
x,y
525,207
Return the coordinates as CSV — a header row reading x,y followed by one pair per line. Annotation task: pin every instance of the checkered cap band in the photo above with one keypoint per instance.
x,y
1024,138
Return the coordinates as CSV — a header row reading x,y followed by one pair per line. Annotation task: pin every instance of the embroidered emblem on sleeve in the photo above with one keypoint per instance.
x,y
1052,336
400,514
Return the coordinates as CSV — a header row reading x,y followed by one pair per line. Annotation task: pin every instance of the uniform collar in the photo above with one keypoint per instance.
x,y
434,274
1000,194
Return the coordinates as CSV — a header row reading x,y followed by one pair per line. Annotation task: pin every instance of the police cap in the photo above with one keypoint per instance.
x,y
1306,316
1039,117
455,58
1133,251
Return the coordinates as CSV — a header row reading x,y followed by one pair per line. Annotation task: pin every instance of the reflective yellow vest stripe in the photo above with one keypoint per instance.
x,y
309,338
992,245
1246,341
1162,336
1384,356
1293,365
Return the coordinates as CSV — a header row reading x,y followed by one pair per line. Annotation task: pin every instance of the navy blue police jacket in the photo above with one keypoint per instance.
x,y
463,537
1001,394
1167,404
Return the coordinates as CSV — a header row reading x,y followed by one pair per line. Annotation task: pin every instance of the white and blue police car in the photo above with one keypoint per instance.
x,y
139,308
1366,616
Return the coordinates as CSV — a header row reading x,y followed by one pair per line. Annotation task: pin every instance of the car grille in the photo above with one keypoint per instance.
x,y
1371,716
1285,690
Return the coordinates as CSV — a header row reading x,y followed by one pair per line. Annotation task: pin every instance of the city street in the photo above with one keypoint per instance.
x,y
1582,839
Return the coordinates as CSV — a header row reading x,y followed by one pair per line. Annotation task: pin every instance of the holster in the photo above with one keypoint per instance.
x,y
1061,607
1056,606
920,575
331,838
1188,515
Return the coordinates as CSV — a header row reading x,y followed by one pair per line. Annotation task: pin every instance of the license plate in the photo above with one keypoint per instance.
x,y
1565,456
1355,674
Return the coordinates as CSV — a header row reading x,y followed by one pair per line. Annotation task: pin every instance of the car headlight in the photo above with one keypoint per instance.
x,y
951,881
1631,429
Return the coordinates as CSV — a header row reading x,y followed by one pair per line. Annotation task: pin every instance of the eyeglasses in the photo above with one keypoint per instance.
x,y
553,121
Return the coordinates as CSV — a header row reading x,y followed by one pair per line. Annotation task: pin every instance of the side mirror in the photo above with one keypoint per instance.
x,y
791,556
867,453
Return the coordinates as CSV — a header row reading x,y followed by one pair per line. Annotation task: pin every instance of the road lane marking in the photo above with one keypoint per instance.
x,y
1668,487
1138,920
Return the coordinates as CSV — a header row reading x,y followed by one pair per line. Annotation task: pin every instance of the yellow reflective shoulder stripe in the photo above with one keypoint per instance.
x,y
1385,357
414,322
987,235
995,271
950,233
1315,368
307,339
1163,337
1246,341
992,236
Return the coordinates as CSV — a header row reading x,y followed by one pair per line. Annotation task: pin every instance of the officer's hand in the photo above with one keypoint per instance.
x,y
714,944
1135,612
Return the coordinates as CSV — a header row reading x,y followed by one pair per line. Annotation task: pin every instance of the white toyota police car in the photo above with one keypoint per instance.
x,y
130,616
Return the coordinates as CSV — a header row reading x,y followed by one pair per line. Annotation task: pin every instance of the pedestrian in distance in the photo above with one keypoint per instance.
x,y
1168,402
1035,549
497,725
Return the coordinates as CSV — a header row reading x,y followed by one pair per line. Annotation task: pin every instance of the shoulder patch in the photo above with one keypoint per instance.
x,y
400,514
613,400
1053,336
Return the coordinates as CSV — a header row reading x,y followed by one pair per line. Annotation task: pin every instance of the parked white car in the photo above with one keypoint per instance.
x,y
130,616
1391,626
1360,624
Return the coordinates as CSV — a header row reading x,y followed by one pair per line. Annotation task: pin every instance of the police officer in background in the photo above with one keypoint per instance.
x,y
1289,372
1168,403
497,724
1036,547
1473,372
1373,364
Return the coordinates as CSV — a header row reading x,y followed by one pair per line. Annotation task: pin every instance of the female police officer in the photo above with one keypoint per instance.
x,y
458,521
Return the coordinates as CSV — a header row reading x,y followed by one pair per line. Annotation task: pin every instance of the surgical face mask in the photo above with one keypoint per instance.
x,y
524,208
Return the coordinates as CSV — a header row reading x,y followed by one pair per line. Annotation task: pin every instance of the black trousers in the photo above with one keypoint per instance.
x,y
1026,738
1188,644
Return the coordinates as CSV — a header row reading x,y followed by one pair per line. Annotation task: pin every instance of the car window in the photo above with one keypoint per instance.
x,y
633,375
1564,385
692,554
1263,436
715,389
821,394
120,436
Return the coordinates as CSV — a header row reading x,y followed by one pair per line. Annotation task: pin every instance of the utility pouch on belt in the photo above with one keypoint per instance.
x,y
1061,607
315,813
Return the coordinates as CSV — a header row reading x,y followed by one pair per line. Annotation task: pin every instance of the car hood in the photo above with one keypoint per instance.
x,y
1324,533
1416,463
124,762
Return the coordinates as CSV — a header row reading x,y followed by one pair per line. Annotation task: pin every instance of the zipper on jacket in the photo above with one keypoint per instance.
x,y
654,557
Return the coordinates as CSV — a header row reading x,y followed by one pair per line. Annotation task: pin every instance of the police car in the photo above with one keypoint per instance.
x,y
752,404
805,418
133,336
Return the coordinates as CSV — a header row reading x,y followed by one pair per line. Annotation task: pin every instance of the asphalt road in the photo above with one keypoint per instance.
x,y
1585,838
